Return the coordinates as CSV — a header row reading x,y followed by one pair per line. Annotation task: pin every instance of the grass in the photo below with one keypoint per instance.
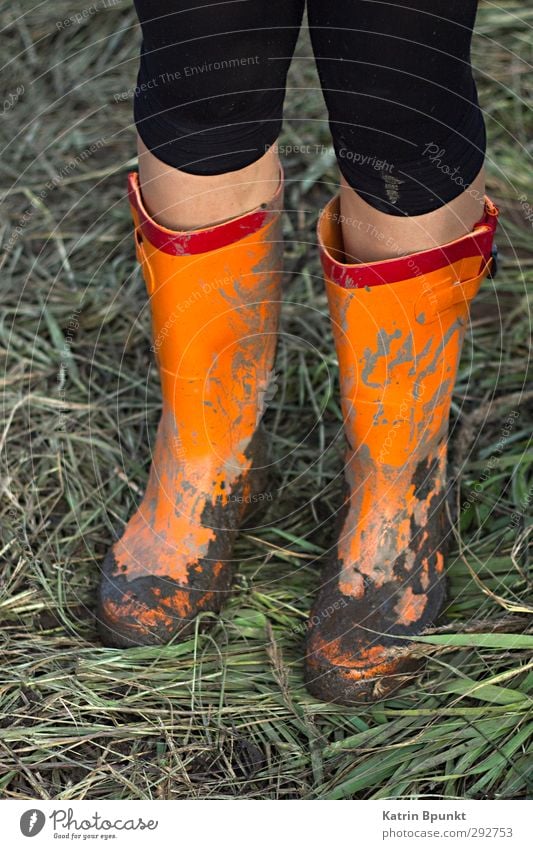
x,y
225,714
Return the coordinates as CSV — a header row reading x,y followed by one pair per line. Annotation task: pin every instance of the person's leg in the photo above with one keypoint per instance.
x,y
407,129
207,215
208,104
404,250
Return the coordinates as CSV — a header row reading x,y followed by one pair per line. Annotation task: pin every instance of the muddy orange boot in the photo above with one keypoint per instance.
x,y
398,327
215,297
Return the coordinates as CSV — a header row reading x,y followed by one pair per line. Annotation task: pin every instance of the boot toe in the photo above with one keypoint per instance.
x,y
358,649
148,610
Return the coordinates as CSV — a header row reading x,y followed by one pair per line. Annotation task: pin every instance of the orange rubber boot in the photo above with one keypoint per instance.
x,y
215,297
398,327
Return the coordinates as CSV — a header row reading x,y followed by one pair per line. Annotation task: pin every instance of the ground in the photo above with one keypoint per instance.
x,y
225,715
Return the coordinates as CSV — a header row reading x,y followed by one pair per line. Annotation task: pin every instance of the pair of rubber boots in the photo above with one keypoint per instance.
x,y
398,327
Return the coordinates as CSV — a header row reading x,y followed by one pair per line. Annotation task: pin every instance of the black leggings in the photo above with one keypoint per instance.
x,y
407,129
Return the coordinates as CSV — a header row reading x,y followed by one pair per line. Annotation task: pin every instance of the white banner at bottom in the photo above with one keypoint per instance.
x,y
265,824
